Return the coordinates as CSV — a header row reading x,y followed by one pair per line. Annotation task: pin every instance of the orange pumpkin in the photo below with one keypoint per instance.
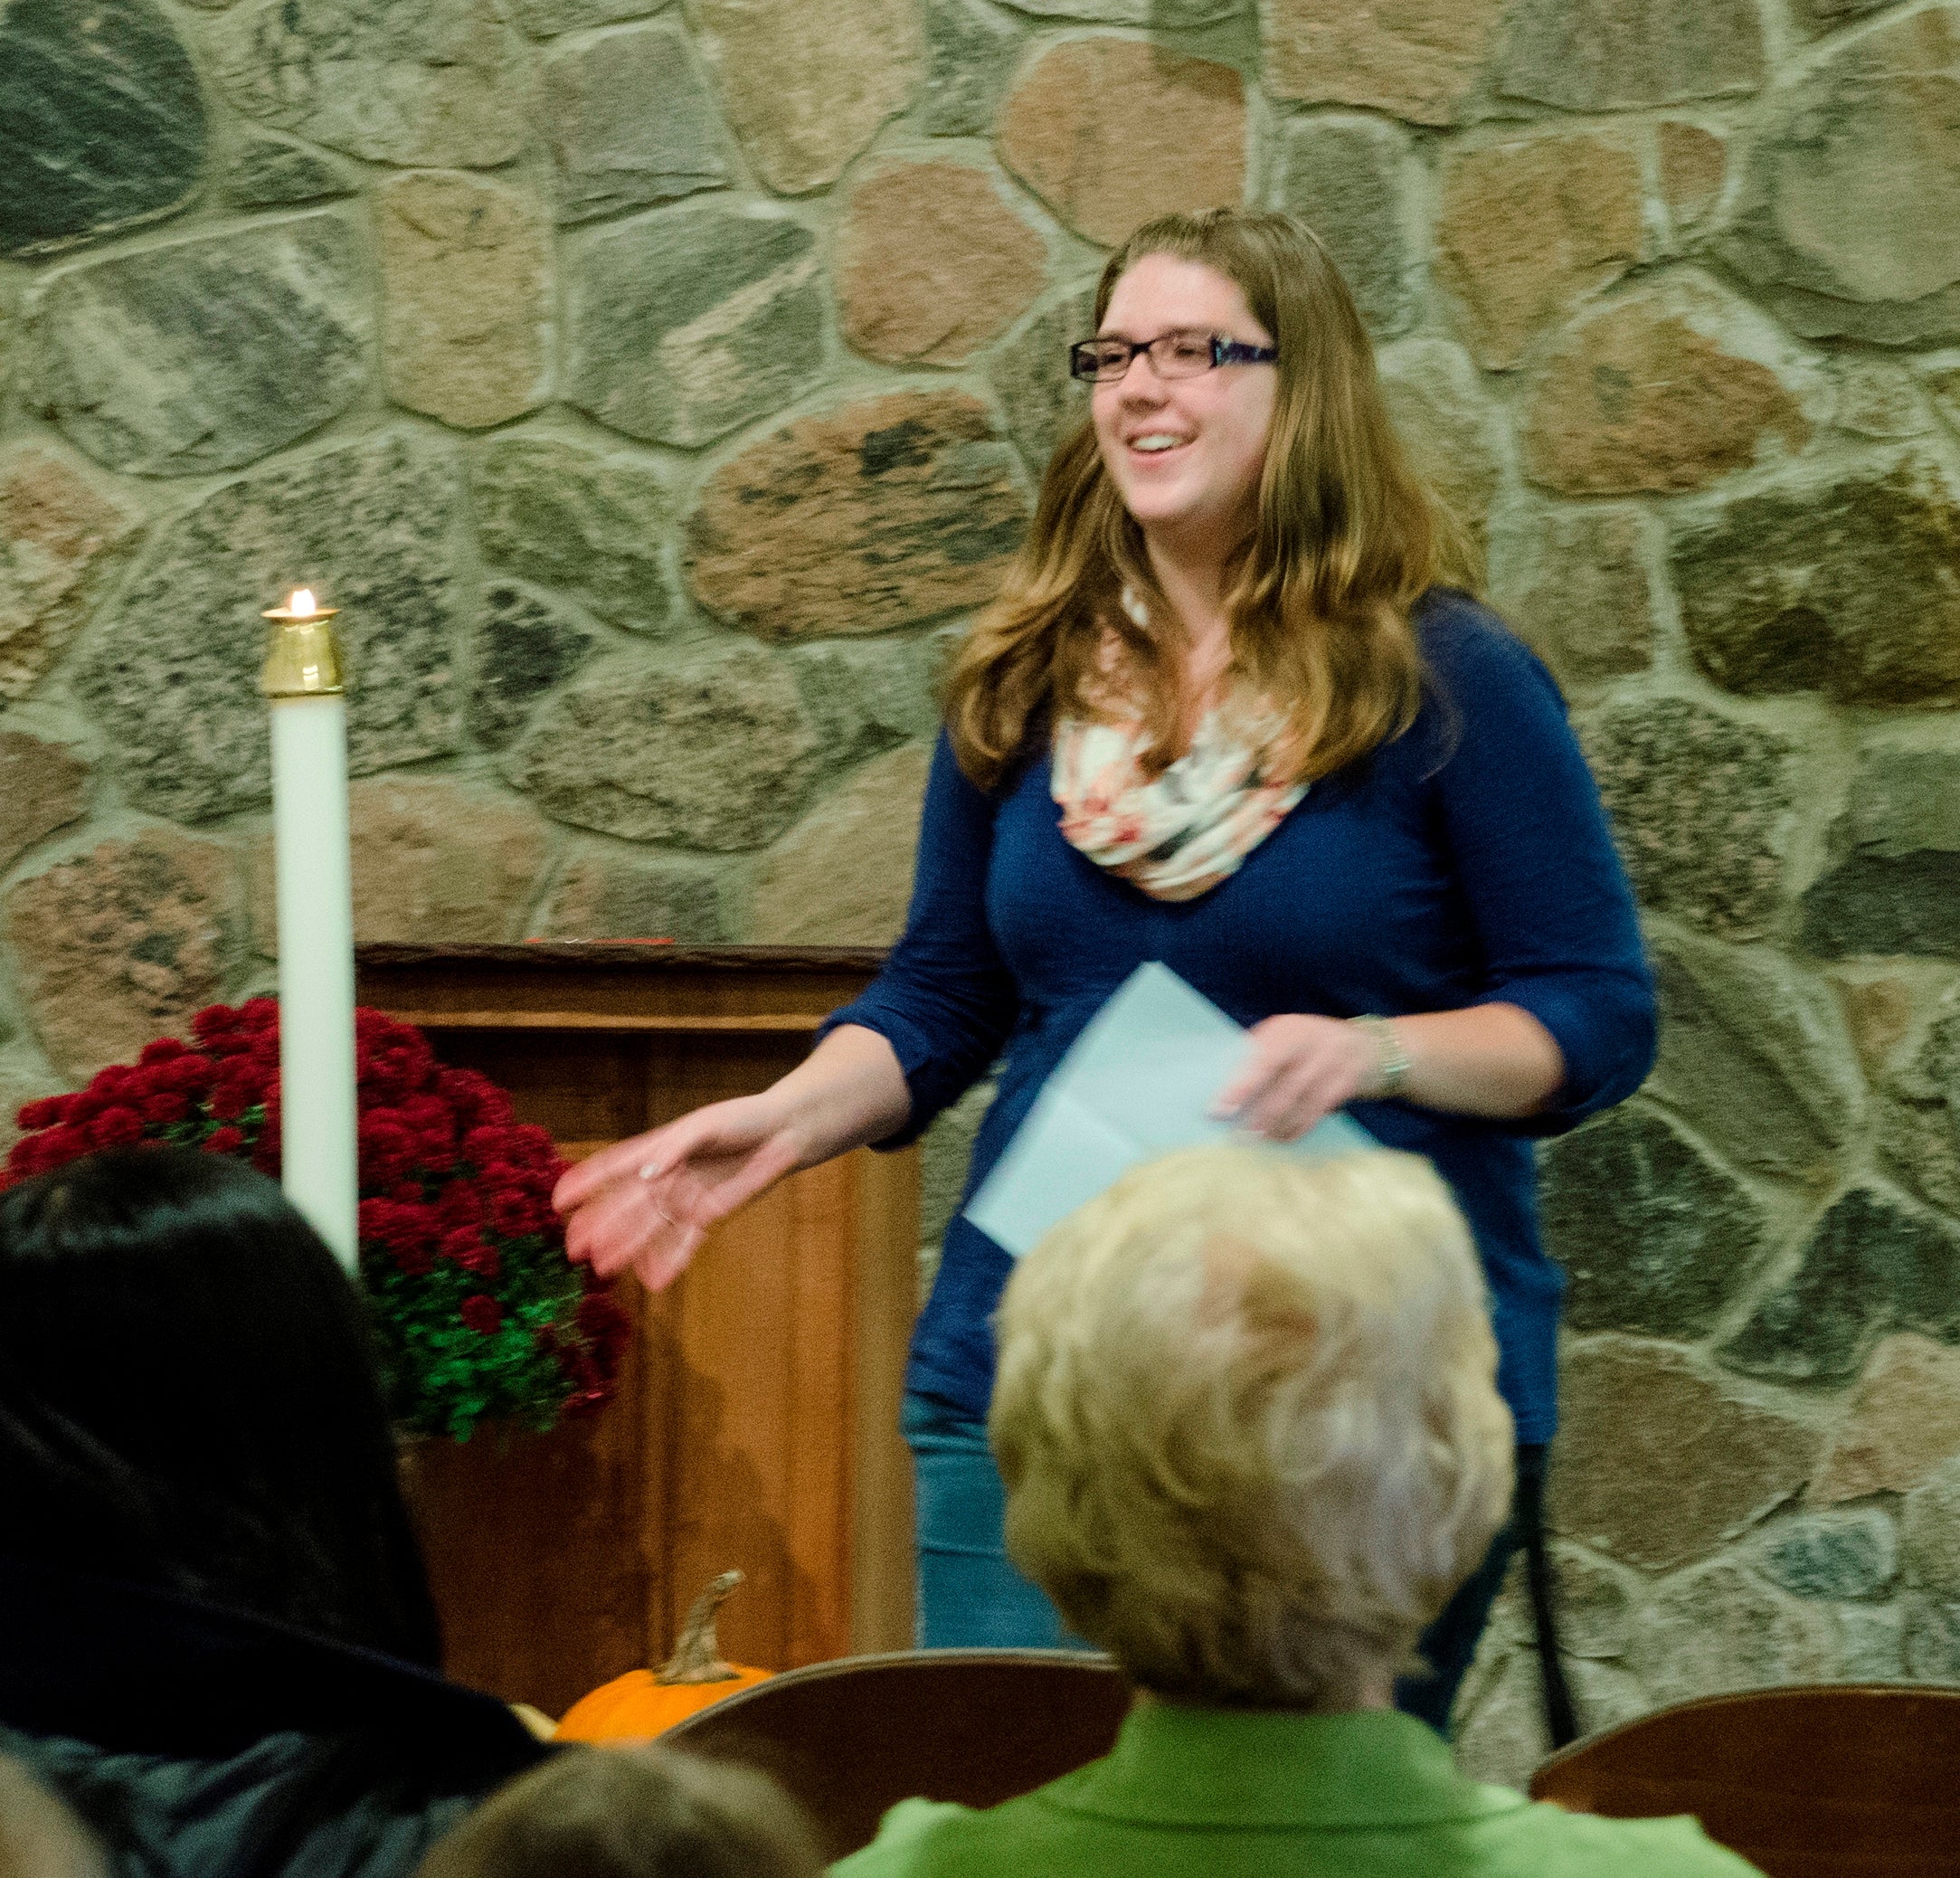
x,y
644,1703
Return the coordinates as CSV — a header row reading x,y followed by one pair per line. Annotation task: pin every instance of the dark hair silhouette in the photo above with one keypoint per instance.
x,y
189,1399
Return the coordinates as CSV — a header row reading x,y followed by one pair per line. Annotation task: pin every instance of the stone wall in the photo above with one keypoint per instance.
x,y
657,387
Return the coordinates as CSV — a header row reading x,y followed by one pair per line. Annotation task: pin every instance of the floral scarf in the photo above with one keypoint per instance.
x,y
1180,835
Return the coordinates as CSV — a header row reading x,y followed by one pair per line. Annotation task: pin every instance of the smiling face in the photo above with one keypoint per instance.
x,y
1185,453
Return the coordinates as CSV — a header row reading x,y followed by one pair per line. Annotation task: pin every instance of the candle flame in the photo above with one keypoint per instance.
x,y
302,602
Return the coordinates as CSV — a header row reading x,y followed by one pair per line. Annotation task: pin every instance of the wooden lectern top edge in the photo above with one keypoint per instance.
x,y
616,955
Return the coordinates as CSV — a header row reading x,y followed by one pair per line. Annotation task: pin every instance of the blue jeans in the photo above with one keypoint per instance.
x,y
970,1597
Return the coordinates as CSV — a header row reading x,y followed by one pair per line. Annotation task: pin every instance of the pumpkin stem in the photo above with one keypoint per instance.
x,y
698,1657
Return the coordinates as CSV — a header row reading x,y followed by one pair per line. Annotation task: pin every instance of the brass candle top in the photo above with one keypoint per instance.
x,y
302,657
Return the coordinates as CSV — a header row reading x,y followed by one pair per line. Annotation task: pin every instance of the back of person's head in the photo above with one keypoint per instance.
x,y
1247,1419
642,1812
189,1399
40,1835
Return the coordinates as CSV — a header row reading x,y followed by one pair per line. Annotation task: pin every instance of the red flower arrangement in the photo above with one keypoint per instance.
x,y
477,1314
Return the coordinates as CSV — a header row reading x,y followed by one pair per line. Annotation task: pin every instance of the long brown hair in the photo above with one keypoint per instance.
x,y
1347,537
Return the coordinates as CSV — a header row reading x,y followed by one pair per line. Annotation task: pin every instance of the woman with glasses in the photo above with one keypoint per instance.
x,y
1236,709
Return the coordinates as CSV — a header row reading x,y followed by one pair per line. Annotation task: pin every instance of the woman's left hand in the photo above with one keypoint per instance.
x,y
1300,1069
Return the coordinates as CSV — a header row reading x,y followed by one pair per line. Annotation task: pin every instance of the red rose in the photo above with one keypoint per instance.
x,y
458,1204
476,1099
44,1112
64,1143
166,1105
116,1128
465,1249
224,1141
387,1149
517,1214
162,1050
481,1313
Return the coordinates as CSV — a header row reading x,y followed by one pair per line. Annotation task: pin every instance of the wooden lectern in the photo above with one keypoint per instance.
x,y
757,1419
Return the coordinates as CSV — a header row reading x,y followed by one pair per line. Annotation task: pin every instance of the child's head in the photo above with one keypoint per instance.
x,y
642,1812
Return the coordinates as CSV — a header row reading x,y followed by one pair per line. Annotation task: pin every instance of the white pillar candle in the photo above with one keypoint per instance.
x,y
315,924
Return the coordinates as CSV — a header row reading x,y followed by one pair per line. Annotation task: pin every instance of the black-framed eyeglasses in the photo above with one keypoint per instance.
x,y
1173,356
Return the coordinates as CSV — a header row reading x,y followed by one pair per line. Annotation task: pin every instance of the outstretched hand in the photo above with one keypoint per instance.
x,y
648,1201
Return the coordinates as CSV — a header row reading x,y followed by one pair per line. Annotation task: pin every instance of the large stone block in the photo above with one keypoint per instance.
x,y
1454,438
436,862
1110,132
467,298
1845,587
1498,1734
932,263
1348,179
1901,1424
585,522
866,696
1420,60
1604,55
1870,1264
124,944
684,325
631,897
807,82
60,539
843,875
1029,375
1693,165
1654,1237
1932,1531
545,19
524,646
657,901
101,122
267,171
438,83
1526,225
43,786
1668,388
1931,1640
631,122
1756,1055
970,49
864,519
1577,584
173,672
1848,221
1894,882
204,353
1919,1121
712,748
1701,807
1718,1627
1658,1462
1852,1554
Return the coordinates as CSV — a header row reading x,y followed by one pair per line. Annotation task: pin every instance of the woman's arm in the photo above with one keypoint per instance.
x,y
646,1201
1488,1059
886,1064
1566,1022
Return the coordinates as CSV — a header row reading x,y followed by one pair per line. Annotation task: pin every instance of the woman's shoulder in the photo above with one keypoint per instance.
x,y
1466,645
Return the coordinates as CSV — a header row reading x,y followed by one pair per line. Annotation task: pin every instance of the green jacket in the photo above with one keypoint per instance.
x,y
1210,1793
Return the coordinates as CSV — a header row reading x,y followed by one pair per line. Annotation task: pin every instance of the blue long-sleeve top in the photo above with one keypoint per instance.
x,y
1466,862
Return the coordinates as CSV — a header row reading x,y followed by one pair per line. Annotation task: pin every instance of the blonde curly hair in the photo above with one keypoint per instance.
x,y
1248,1421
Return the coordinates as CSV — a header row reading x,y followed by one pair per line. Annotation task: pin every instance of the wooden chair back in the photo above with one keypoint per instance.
x,y
1852,1781
852,1738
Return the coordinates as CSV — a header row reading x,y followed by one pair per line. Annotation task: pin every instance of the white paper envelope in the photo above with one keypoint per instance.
x,y
1138,1081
